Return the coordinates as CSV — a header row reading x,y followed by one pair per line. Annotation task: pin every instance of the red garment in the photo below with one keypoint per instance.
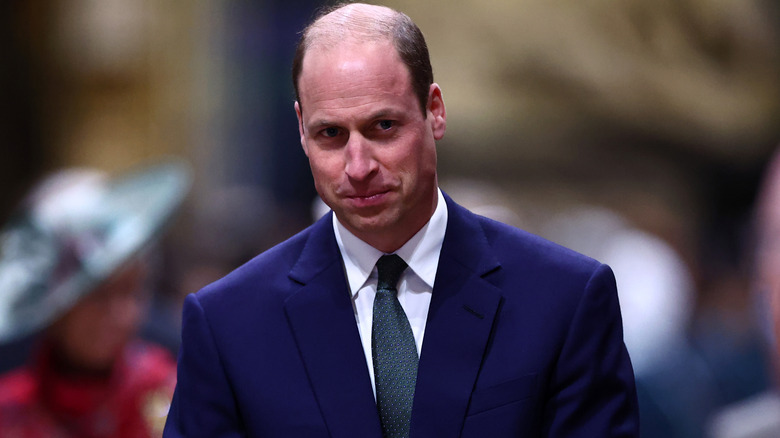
x,y
41,402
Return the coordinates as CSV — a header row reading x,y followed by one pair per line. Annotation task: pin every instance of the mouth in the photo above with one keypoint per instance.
x,y
367,196
368,199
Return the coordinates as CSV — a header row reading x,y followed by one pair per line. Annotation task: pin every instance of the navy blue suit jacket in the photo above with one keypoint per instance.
x,y
523,338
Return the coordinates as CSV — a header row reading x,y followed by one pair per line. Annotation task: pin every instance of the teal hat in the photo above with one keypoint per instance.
x,y
75,230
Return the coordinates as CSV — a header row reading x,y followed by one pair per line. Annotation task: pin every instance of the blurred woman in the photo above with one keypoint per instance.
x,y
73,270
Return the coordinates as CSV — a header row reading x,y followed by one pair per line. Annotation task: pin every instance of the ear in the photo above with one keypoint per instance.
x,y
437,110
300,127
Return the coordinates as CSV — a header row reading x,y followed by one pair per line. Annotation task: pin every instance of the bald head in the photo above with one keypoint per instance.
x,y
355,22
362,23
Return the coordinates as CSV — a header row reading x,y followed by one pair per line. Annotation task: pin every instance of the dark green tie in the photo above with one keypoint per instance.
x,y
393,351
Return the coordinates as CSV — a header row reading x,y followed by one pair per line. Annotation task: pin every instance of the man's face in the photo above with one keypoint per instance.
x,y
371,150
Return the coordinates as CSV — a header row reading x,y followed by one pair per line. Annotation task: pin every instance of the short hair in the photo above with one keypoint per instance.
x,y
395,26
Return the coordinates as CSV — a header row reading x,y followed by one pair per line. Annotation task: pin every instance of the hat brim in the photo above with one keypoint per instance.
x,y
35,287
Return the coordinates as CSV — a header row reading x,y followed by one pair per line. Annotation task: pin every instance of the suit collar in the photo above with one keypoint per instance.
x,y
322,320
460,321
465,241
318,252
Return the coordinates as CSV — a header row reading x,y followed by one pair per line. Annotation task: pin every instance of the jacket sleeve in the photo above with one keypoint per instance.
x,y
593,393
203,402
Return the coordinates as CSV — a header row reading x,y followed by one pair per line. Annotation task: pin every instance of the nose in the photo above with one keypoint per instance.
x,y
360,161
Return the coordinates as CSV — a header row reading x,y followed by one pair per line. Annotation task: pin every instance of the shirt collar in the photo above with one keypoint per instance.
x,y
421,252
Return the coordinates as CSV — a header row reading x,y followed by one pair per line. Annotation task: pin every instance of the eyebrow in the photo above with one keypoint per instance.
x,y
387,113
379,114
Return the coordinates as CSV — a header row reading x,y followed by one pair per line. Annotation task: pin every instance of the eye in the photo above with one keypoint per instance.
x,y
330,132
385,124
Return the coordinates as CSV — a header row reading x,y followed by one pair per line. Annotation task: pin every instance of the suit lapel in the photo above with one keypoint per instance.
x,y
460,320
321,317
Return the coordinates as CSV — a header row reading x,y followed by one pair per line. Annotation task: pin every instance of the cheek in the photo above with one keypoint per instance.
x,y
79,322
423,159
325,168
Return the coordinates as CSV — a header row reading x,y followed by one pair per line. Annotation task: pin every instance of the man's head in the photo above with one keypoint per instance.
x,y
371,150
367,22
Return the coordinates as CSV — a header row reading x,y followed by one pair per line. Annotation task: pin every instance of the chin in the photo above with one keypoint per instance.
x,y
380,223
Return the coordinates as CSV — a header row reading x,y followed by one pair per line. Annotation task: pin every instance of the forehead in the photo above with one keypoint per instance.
x,y
352,70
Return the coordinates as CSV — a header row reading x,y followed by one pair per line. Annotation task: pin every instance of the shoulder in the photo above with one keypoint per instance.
x,y
547,271
266,277
530,248
520,250
270,262
529,270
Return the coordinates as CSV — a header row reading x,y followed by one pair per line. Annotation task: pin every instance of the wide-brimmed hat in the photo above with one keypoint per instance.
x,y
75,229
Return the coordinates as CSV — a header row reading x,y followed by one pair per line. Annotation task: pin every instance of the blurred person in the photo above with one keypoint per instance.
x,y
758,416
399,313
767,254
73,276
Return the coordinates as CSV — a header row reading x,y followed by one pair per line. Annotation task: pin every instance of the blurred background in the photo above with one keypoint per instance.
x,y
637,132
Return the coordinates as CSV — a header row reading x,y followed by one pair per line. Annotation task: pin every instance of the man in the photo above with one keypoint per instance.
x,y
500,332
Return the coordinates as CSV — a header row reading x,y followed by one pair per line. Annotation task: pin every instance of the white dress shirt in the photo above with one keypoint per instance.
x,y
421,254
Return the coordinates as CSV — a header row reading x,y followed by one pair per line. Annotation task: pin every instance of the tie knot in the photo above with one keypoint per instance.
x,y
390,268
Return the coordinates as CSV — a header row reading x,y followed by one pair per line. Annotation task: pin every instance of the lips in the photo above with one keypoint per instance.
x,y
368,195
370,199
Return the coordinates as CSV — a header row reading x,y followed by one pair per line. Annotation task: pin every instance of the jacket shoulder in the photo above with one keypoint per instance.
x,y
268,271
517,248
